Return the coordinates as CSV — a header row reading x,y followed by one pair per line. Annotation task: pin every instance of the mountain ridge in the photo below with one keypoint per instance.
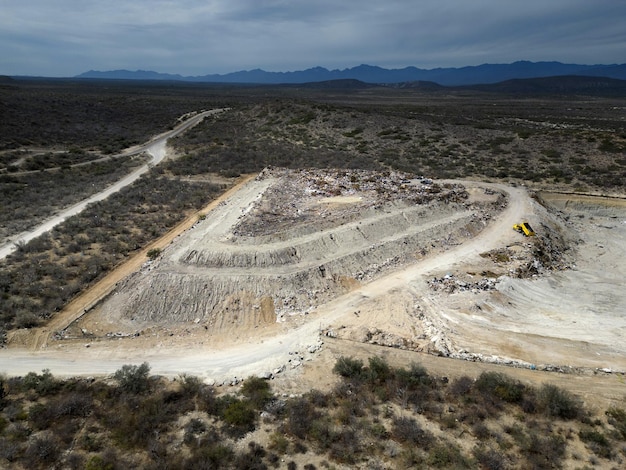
x,y
451,76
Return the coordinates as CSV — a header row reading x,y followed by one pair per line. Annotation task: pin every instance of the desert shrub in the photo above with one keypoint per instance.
x,y
74,404
544,451
190,386
252,459
529,402
136,419
617,418
378,370
500,386
488,458
97,462
558,403
278,443
300,415
447,455
209,457
322,432
133,379
481,431
461,386
345,447
257,390
91,442
42,452
349,409
415,377
597,442
408,430
207,400
192,430
317,398
41,416
195,426
75,461
3,391
43,384
10,449
348,367
240,417
153,253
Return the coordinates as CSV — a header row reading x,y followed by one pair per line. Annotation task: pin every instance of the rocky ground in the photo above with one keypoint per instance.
x,y
291,241
373,259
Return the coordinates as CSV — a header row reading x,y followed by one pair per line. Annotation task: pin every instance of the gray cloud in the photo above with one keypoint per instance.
x,y
192,37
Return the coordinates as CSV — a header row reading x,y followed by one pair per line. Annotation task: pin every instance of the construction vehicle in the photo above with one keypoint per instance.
x,y
524,228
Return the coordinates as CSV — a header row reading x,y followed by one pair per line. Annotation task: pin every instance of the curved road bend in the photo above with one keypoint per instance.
x,y
155,147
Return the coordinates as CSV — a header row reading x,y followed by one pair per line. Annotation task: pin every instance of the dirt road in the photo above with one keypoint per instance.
x,y
256,353
392,302
155,147
38,338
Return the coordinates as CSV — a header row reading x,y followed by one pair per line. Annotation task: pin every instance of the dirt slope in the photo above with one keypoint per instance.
x,y
225,299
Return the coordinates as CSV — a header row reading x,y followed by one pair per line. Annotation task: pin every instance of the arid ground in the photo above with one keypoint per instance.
x,y
290,258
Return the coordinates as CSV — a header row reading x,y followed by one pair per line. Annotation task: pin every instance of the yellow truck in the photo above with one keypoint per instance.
x,y
524,228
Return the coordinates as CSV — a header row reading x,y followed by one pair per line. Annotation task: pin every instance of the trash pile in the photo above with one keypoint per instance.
x,y
295,200
450,284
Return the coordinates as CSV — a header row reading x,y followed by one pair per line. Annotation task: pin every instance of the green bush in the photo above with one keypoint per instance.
x,y
44,384
278,443
153,253
97,463
446,455
211,456
597,442
133,379
257,390
415,377
558,403
240,415
378,371
501,386
617,418
348,367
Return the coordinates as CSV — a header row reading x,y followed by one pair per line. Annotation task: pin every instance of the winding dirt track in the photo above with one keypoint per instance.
x,y
155,147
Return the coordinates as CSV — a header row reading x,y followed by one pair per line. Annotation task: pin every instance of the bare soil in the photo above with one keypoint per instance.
x,y
288,264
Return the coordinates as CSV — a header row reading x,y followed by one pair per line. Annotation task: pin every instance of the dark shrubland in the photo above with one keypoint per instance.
x,y
366,421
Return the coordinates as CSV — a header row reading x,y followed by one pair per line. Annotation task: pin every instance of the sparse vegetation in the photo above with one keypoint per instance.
x,y
379,416
423,133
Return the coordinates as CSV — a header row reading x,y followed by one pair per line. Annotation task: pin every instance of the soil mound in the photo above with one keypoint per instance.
x,y
291,240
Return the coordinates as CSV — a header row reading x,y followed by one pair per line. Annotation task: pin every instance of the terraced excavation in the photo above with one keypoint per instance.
x,y
291,257
289,241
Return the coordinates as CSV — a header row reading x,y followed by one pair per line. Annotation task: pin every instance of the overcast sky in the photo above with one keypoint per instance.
x,y
197,37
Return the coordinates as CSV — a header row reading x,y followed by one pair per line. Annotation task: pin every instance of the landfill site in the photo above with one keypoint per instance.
x,y
290,259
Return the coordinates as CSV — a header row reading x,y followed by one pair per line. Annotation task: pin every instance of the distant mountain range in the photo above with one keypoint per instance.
x,y
471,75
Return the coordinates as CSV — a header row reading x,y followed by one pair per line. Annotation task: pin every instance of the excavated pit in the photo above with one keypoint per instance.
x,y
291,240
